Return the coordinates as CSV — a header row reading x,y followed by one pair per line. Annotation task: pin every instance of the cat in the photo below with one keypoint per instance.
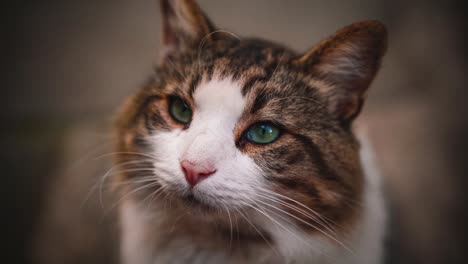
x,y
240,150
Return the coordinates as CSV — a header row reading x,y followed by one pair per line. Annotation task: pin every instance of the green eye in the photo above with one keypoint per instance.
x,y
179,110
263,133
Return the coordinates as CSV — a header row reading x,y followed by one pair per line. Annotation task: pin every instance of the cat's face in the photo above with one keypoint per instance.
x,y
241,124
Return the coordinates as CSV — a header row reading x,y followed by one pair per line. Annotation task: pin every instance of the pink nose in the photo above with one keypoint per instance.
x,y
194,173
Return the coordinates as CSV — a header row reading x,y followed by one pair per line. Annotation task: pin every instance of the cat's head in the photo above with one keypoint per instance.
x,y
235,124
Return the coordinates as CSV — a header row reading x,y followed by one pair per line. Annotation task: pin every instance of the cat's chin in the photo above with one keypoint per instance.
x,y
192,203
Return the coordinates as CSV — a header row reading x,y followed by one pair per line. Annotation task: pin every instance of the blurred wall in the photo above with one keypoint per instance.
x,y
69,64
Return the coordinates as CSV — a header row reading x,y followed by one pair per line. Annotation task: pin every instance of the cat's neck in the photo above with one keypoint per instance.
x,y
166,236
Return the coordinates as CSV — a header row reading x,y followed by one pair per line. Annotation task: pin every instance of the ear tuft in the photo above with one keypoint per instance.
x,y
348,61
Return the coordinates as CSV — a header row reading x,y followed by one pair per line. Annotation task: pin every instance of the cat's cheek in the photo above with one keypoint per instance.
x,y
166,148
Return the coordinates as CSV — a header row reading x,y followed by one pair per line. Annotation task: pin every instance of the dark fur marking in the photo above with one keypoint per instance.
x,y
316,155
140,142
260,100
253,81
194,85
295,158
294,184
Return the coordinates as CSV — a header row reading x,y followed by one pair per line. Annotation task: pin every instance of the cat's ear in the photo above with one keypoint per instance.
x,y
184,25
347,62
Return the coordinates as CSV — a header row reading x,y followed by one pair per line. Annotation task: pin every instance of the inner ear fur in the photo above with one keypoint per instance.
x,y
184,26
348,61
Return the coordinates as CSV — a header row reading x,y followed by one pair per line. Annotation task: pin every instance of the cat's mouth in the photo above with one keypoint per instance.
x,y
191,201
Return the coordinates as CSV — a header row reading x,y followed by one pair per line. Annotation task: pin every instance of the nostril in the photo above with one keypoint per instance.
x,y
184,169
206,174
195,172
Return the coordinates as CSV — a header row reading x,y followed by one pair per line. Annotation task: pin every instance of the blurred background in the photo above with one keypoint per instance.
x,y
68,65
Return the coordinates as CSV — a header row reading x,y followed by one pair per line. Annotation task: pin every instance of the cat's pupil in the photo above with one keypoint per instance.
x,y
263,133
180,111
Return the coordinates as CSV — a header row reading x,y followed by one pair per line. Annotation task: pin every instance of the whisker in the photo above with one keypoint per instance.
x,y
258,231
282,226
126,153
203,41
102,179
288,221
150,197
139,180
111,174
88,155
174,67
275,221
230,225
323,218
131,193
132,170
276,68
296,209
311,225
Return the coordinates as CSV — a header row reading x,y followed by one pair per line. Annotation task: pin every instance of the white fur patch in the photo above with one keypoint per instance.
x,y
210,138
370,234
134,247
